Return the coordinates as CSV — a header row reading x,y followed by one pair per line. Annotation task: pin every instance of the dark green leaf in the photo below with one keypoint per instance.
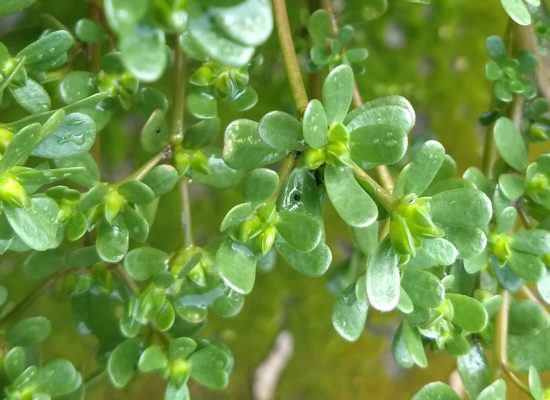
x,y
42,264
136,192
162,179
350,314
123,362
28,332
12,6
50,46
145,262
413,343
143,53
90,31
237,266
314,263
154,135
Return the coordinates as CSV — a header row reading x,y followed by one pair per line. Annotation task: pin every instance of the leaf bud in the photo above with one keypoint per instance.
x,y
400,236
419,220
6,136
250,228
266,239
12,192
113,204
268,214
500,246
314,158
199,163
179,371
182,161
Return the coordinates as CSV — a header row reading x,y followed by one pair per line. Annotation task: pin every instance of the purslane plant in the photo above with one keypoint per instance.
x,y
456,258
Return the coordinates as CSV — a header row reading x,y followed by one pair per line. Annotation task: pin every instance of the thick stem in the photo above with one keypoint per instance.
x,y
378,192
94,64
178,99
186,214
528,39
289,56
382,170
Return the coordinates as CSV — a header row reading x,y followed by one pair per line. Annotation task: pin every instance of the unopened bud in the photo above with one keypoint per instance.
x,y
250,228
114,202
199,163
314,158
500,246
12,192
6,136
400,236
182,162
266,239
419,220
268,214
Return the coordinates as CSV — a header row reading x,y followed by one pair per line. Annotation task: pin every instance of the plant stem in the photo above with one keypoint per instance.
x,y
374,188
528,39
178,99
531,296
94,63
139,174
500,346
177,127
286,168
382,170
289,56
186,214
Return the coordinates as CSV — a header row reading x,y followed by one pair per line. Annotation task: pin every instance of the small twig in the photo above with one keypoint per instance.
x,y
186,214
139,174
529,40
533,297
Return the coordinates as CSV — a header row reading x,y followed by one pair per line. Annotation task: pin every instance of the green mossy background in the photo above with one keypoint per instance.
x,y
434,55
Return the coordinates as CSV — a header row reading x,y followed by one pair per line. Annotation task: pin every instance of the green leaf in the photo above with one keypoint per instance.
x,y
14,362
413,343
350,314
12,6
228,305
244,148
221,176
202,104
74,136
318,27
136,192
424,167
315,263
249,23
526,266
209,367
143,53
201,134
161,179
512,186
145,262
461,208
300,231
474,371
337,93
469,313
175,392
21,146
349,199
281,131
154,135
394,110
181,348
532,241
28,332
122,362
377,144
510,144
76,85
527,318
543,286
495,391
383,281
436,391
401,355
58,378
535,384
42,264
153,358
423,288
433,253
31,96
33,224
237,266
124,15
517,10
260,184
236,215
315,125
213,43
50,46
89,31
496,49
506,220
112,240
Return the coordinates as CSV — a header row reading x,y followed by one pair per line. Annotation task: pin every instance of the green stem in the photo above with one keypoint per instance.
x,y
500,346
374,188
186,221
286,168
178,98
382,170
528,39
11,75
139,174
289,56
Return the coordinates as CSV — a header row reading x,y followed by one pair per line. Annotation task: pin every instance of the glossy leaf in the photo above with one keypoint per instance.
x,y
349,314
299,230
28,332
123,362
469,313
517,10
74,136
245,149
434,252
337,93
281,130
31,96
161,179
202,134
436,391
315,125
76,85
383,281
143,53
495,391
33,224
153,358
260,184
237,266
314,263
423,288
209,367
136,192
413,343
154,135
112,240
145,262
509,143
58,378
349,199
424,167
512,186
49,46
124,15
474,371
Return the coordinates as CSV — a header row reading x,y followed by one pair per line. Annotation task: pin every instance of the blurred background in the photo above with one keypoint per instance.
x,y
433,55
